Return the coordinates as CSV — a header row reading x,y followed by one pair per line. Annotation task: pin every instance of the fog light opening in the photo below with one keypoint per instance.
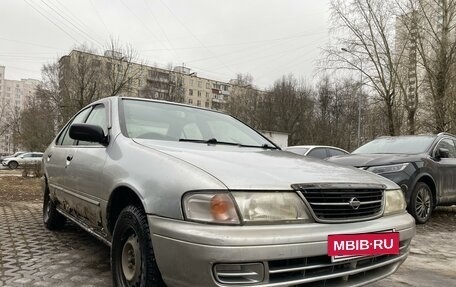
x,y
239,273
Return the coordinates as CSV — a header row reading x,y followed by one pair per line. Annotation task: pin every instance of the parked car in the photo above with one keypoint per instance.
x,y
424,166
22,159
317,151
187,196
16,154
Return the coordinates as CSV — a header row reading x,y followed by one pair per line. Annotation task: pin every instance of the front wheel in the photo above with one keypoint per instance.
x,y
421,203
13,164
52,219
132,257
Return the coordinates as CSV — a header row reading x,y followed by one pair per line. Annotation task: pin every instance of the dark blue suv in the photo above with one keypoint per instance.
x,y
424,166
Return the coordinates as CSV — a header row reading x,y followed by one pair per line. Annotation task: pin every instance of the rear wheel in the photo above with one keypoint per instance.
x,y
132,257
52,219
13,164
421,203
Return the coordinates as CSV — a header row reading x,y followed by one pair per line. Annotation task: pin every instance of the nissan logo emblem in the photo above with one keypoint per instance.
x,y
354,203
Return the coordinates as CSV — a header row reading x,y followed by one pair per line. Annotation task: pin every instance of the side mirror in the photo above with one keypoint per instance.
x,y
22,156
442,153
88,133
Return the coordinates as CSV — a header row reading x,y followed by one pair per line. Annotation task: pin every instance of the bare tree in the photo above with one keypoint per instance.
x,y
245,100
122,72
81,81
287,107
365,31
87,76
335,114
38,121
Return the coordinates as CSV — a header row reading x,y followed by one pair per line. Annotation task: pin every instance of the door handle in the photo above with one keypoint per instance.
x,y
69,158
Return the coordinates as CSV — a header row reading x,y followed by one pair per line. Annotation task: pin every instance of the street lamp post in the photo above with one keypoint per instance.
x,y
360,91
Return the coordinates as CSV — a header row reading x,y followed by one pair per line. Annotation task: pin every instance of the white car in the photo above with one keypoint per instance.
x,y
317,151
26,158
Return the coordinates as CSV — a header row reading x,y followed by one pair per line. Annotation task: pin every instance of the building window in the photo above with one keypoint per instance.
x,y
190,92
225,87
199,94
198,103
207,95
190,101
200,84
206,104
8,89
191,83
208,86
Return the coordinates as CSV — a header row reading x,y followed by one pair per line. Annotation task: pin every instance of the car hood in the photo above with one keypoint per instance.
x,y
362,160
255,168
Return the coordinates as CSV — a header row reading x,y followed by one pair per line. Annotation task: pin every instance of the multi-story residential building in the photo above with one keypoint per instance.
x,y
14,96
406,48
178,84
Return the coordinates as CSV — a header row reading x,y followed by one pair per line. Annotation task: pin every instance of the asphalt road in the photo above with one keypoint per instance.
x,y
32,256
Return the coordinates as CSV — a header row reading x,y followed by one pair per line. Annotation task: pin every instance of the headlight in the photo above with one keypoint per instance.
x,y
388,168
268,207
210,207
258,207
394,202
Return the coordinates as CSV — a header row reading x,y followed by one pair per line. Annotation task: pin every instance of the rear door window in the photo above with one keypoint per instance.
x,y
334,152
318,153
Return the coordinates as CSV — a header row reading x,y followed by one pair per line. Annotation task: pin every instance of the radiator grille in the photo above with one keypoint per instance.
x,y
350,204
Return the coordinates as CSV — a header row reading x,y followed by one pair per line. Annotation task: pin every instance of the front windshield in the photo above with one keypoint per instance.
x,y
407,145
169,122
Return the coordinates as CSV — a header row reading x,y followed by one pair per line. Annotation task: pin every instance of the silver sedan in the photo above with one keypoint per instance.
x,y
191,197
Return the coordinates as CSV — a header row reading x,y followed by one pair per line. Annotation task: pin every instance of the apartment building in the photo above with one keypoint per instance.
x,y
178,84
14,96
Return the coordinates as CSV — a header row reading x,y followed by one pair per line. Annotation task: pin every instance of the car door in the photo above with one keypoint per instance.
x,y
36,158
56,161
446,171
25,159
84,173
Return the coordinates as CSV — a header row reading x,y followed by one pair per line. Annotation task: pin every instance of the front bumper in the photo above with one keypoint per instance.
x,y
290,254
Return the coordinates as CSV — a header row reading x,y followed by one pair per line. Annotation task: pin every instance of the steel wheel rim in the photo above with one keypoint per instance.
x,y
423,203
131,260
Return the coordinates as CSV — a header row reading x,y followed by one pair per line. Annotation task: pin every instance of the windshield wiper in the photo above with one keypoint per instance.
x,y
209,141
215,141
265,146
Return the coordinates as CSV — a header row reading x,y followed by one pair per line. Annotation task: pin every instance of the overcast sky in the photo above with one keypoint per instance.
x,y
216,39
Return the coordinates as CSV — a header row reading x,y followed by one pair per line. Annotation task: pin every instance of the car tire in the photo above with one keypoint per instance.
x,y
52,219
132,258
421,203
13,164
